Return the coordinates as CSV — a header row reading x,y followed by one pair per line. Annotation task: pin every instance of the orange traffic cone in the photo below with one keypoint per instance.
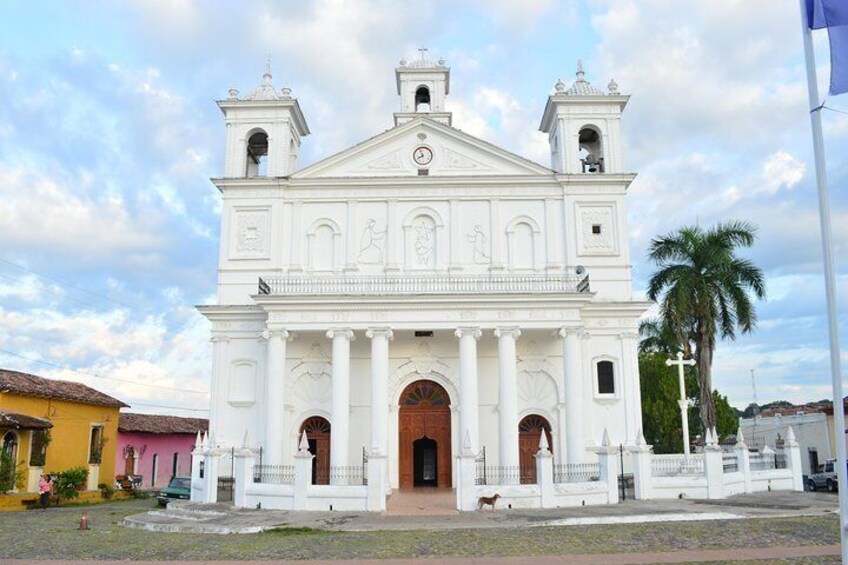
x,y
84,521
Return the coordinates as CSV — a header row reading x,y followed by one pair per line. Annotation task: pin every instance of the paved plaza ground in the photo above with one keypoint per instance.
x,y
791,528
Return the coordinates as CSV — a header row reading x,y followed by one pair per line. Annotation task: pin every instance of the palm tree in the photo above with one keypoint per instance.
x,y
705,291
657,337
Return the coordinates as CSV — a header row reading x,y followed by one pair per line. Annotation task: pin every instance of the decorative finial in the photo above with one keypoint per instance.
x,y
543,442
233,92
559,86
304,443
605,442
198,441
246,441
580,72
285,92
612,86
402,61
267,68
441,61
740,439
790,435
466,443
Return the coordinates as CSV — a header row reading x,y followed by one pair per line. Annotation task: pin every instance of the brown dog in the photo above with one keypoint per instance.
x,y
490,500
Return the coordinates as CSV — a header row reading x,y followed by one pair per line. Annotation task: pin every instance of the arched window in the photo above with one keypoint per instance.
x,y
606,377
10,449
424,393
257,154
591,151
530,431
422,99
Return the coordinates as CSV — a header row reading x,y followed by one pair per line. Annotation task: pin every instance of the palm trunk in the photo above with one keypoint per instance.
x,y
707,406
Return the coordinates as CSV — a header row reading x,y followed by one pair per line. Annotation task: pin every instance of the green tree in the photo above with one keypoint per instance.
x,y
703,291
660,390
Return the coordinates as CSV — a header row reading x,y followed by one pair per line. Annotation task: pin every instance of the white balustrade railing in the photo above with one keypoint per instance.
x,y
677,465
422,284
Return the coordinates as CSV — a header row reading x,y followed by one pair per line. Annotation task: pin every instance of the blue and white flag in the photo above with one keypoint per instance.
x,y
833,15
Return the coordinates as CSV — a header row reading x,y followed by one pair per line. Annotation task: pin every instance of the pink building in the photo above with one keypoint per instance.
x,y
156,447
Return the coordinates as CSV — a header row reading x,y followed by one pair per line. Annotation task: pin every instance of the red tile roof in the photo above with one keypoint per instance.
x,y
23,422
24,384
825,406
155,424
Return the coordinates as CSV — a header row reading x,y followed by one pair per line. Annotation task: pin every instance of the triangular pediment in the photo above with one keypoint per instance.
x,y
448,152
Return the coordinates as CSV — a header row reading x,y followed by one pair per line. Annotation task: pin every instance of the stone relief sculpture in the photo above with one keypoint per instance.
x,y
424,243
371,244
479,239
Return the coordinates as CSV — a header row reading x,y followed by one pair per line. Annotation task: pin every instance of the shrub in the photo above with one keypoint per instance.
x,y
7,472
106,490
67,484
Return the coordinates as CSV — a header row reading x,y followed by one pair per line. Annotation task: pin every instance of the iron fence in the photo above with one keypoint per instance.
x,y
274,474
729,462
780,460
577,472
351,475
762,461
677,465
480,477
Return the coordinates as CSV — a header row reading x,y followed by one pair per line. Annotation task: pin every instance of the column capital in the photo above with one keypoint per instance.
x,y
509,331
274,332
219,338
346,333
370,333
570,330
472,331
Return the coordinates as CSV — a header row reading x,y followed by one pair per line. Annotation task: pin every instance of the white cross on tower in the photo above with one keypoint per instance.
x,y
684,404
422,50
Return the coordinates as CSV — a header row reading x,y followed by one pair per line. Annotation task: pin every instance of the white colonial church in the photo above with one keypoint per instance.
x,y
424,295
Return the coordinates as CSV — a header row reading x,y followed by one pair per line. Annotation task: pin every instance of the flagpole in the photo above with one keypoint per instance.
x,y
829,279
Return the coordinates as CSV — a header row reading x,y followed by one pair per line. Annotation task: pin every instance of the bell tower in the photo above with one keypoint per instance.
x,y
423,86
264,130
584,127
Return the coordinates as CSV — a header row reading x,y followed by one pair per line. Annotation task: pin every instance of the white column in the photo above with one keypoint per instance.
x,y
275,379
628,380
220,344
340,424
352,237
296,237
380,338
468,420
553,253
455,243
497,235
573,386
507,396
394,237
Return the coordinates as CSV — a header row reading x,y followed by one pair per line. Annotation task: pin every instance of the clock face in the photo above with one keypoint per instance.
x,y
422,155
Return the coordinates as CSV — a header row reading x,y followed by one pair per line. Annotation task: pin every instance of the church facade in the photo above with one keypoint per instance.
x,y
424,293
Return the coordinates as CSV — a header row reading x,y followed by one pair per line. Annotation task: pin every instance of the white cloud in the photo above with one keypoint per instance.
x,y
782,170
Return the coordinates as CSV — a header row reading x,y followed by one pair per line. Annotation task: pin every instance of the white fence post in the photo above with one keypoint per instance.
x,y
545,472
641,461
211,458
197,489
714,466
302,474
743,460
792,452
376,483
243,460
608,463
466,493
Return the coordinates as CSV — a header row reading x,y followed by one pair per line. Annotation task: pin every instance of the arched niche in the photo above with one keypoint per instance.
x,y
424,239
324,245
422,99
523,242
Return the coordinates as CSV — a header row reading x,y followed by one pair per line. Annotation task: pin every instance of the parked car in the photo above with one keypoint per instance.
x,y
178,489
825,476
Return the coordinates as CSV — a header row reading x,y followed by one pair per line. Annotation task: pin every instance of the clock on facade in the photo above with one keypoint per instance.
x,y
422,155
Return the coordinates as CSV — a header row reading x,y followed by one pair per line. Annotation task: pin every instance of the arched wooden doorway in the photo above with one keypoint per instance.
x,y
9,447
318,435
529,433
424,426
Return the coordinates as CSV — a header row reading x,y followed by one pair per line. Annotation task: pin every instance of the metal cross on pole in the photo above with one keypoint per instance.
x,y
684,404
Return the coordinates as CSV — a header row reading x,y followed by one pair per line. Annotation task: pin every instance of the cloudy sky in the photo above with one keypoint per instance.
x,y
109,134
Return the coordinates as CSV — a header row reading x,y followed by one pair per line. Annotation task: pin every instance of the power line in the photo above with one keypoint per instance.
x,y
57,365
92,293
170,407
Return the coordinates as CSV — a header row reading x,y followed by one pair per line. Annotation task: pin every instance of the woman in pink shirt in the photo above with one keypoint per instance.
x,y
45,487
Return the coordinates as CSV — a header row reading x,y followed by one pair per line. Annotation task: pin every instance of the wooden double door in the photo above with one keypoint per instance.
x,y
424,429
530,431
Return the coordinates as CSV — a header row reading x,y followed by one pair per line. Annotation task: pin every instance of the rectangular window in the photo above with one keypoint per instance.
x,y
596,229
38,448
176,465
606,377
813,454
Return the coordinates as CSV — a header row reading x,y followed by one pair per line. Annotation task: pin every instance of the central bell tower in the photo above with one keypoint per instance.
x,y
423,86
